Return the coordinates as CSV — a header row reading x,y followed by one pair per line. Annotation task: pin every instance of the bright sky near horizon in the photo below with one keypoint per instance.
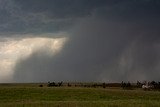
x,y
13,50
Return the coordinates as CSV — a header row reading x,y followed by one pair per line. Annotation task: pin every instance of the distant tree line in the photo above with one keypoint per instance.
x,y
59,84
151,84
53,84
125,85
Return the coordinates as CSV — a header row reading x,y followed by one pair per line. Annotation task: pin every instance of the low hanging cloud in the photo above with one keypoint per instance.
x,y
107,41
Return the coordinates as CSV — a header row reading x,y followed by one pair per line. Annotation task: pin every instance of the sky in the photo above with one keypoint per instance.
x,y
79,40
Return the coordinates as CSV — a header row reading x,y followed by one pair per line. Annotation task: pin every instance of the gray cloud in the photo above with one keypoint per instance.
x,y
18,16
108,40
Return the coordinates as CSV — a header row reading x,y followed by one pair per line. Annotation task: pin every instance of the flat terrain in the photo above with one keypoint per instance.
x,y
31,95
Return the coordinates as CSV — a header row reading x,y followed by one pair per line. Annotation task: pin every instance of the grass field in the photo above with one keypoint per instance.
x,y
31,95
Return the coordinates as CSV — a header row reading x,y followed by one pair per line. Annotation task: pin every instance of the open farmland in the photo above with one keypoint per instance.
x,y
31,95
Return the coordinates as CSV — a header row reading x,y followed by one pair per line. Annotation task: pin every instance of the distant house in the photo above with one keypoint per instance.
x,y
147,86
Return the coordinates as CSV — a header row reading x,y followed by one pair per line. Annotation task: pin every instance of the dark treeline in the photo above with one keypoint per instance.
x,y
81,84
59,84
53,84
125,85
150,85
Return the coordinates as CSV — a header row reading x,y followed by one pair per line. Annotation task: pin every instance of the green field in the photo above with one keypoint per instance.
x,y
31,95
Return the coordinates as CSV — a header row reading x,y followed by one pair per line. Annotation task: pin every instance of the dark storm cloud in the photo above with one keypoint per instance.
x,y
43,16
108,40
